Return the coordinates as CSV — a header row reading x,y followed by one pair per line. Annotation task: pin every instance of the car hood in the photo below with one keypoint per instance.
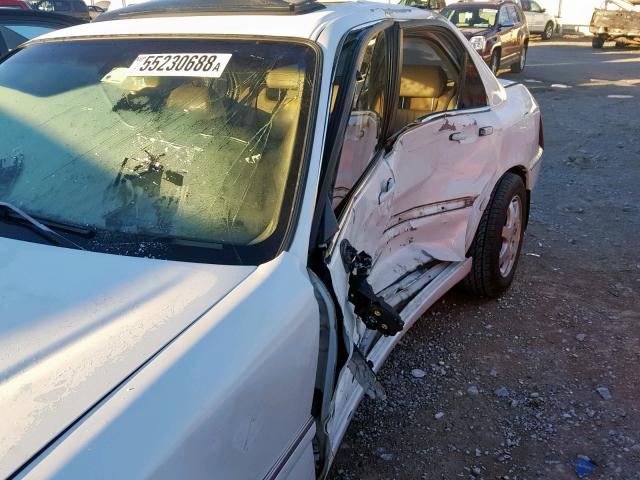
x,y
74,324
472,32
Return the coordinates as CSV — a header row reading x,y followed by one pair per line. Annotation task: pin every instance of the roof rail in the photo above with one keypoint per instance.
x,y
183,8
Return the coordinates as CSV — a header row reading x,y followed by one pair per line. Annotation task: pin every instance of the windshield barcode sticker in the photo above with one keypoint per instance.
x,y
180,65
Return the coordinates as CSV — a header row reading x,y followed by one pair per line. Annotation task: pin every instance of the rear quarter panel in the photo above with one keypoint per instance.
x,y
516,141
520,120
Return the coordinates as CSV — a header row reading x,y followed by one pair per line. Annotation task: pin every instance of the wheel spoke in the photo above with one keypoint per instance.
x,y
510,236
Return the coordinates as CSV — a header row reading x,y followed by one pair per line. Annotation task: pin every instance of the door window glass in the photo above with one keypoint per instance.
x,y
54,6
513,15
535,7
364,128
428,81
503,17
526,5
473,93
62,6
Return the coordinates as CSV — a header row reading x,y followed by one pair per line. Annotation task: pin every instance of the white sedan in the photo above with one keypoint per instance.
x,y
217,220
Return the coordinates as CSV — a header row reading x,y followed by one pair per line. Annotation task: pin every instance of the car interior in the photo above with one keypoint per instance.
x,y
428,82
265,125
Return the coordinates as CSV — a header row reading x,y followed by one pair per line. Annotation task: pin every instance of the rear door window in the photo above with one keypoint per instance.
x,y
473,93
428,80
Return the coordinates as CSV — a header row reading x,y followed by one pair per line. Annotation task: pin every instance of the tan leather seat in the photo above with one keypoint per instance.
x,y
193,100
423,90
282,99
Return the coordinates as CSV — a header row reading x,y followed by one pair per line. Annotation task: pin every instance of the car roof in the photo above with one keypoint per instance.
x,y
185,20
168,8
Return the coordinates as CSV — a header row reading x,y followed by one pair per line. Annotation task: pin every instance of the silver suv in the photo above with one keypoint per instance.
x,y
538,19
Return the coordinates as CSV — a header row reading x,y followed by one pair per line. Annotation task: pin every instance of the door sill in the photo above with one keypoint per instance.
x,y
450,276
400,294
420,303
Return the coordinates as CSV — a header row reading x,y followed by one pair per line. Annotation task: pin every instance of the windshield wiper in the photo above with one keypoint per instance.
x,y
8,210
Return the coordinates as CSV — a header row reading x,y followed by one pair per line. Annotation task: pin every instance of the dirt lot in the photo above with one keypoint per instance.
x,y
510,387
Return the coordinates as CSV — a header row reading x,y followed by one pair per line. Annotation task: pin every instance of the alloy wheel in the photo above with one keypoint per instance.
x,y
511,234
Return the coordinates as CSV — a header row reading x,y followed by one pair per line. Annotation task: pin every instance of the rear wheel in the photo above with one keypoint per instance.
x,y
498,242
519,66
598,41
548,31
494,63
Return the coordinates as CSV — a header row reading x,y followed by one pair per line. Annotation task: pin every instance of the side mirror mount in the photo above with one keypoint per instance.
x,y
544,10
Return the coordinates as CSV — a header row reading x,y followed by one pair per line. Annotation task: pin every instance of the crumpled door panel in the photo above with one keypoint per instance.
x,y
442,170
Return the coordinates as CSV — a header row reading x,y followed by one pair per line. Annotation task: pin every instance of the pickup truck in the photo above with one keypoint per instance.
x,y
617,20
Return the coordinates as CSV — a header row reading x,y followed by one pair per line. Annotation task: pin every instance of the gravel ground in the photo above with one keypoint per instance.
x,y
518,388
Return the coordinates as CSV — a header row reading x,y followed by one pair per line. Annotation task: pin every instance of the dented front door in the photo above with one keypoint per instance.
x,y
443,169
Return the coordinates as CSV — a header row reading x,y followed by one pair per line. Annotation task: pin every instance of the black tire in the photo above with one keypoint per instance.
x,y
494,63
621,44
486,277
547,34
522,61
597,42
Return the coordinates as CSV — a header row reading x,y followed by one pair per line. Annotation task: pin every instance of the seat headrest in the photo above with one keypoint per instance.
x,y
422,81
285,78
191,99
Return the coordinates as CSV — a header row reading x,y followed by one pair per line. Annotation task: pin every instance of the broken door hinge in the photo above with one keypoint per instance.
x,y
365,376
372,309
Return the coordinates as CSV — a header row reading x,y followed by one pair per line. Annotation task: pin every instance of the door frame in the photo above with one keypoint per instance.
x,y
337,125
324,214
325,228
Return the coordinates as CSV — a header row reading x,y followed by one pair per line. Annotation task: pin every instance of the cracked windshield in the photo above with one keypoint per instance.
x,y
159,147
